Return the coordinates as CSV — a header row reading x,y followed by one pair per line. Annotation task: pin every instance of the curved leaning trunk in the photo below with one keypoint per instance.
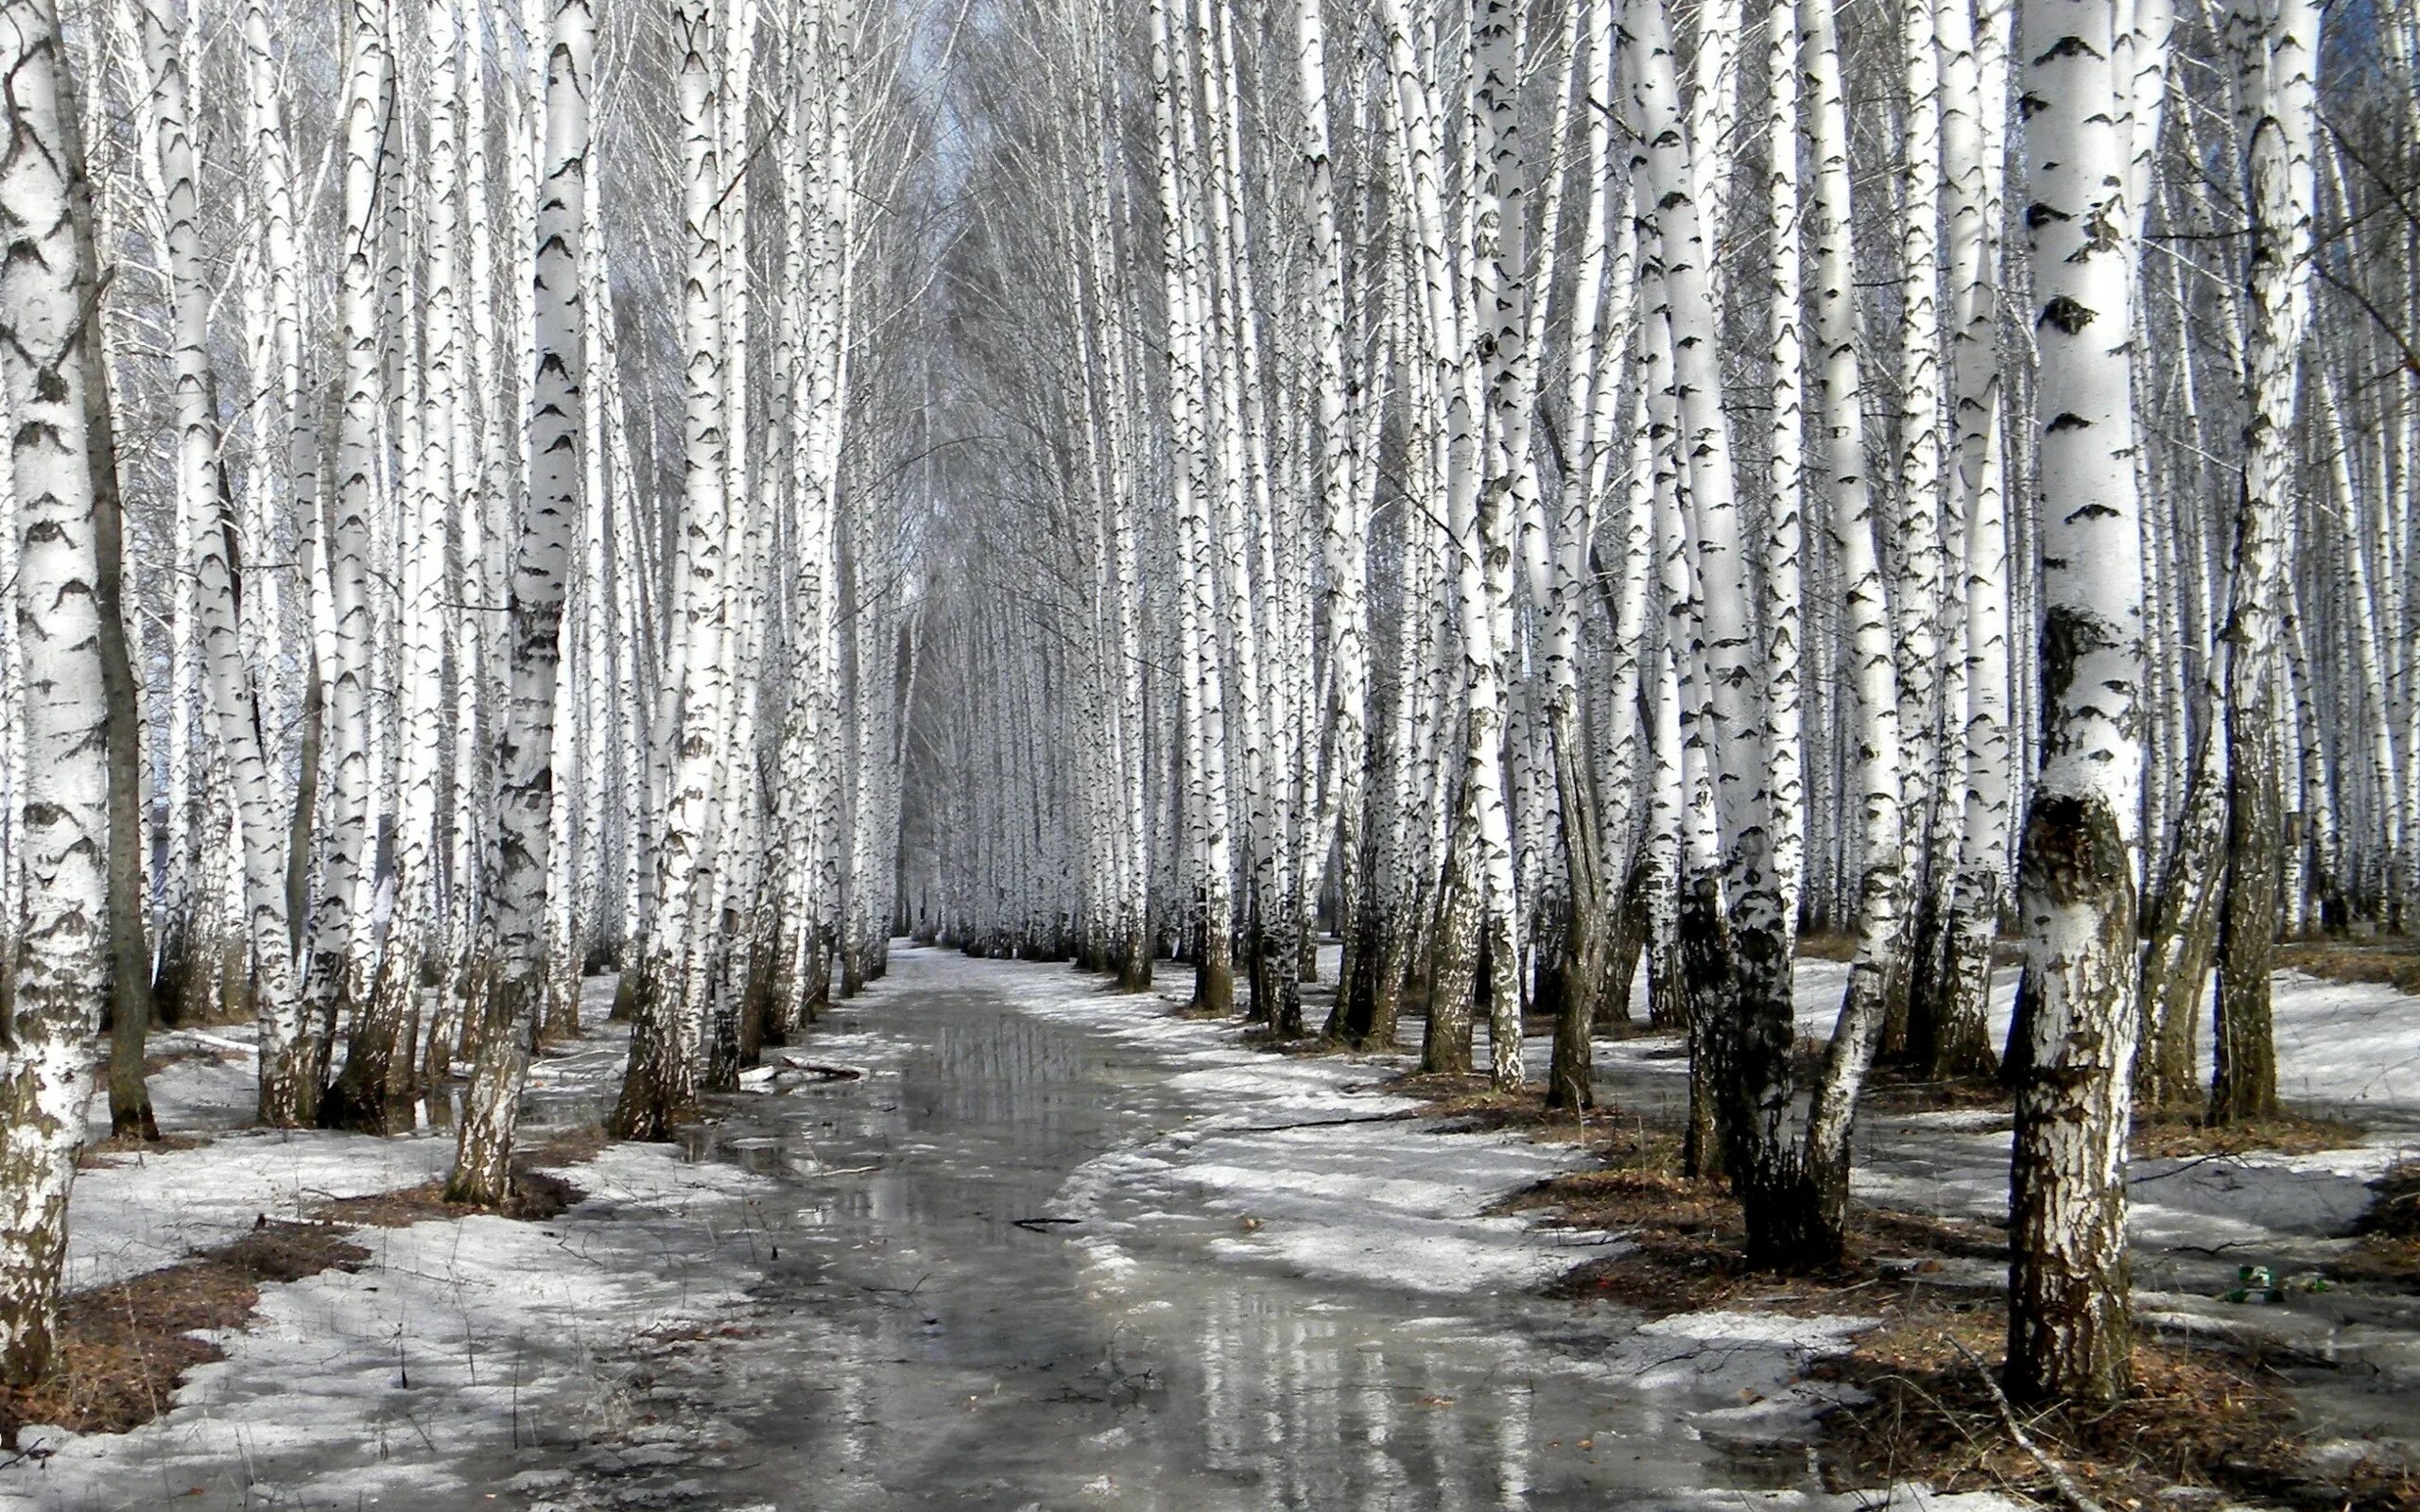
x,y
2182,930
1954,1020
1734,938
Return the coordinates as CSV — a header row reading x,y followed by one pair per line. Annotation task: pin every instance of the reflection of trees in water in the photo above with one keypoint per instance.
x,y
1321,1409
939,1352
1006,1070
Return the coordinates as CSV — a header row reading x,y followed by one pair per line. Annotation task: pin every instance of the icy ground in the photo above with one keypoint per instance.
x,y
1060,1249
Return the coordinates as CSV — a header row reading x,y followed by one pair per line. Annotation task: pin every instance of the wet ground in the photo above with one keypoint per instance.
x,y
1060,1249
931,1327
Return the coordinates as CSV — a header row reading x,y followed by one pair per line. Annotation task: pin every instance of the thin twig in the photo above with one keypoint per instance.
x,y
2065,1483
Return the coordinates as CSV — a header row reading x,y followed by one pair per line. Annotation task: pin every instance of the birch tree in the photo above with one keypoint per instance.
x,y
2077,889
2276,64
483,1151
63,482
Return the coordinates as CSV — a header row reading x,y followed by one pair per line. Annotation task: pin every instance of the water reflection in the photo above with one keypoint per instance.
x,y
921,1347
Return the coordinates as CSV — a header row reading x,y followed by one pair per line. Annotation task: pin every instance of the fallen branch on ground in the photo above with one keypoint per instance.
x,y
2074,1494
825,1070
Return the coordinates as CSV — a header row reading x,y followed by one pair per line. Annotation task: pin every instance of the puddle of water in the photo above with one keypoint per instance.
x,y
925,1337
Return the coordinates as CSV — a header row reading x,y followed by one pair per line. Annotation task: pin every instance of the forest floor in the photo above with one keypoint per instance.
x,y
1061,1248
2277,1266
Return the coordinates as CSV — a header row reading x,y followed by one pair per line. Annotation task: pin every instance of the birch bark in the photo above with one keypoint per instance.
x,y
483,1146
2277,56
51,364
2078,888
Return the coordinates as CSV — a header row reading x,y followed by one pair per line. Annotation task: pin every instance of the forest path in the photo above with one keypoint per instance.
x,y
1022,1265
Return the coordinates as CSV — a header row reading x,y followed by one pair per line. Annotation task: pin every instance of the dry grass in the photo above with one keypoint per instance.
x,y
2387,1249
160,1060
1687,1245
2196,1418
1889,1090
2395,1213
1301,1047
2174,1135
1471,1105
575,1144
122,1348
2380,1259
2393,962
118,1148
1827,945
536,1196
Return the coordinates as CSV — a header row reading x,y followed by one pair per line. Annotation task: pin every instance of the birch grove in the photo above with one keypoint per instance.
x,y
1573,505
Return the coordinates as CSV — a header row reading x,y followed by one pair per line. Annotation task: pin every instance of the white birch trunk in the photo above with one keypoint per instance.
x,y
51,365
483,1148
2067,1324
660,1089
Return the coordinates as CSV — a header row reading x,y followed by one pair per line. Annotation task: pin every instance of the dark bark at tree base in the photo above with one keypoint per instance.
x,y
173,974
1260,985
2243,1087
432,1045
1371,999
1754,1028
1214,983
1285,1015
1135,963
2017,1054
1629,946
365,1096
1571,1077
819,975
1797,1215
757,1015
482,1174
130,1115
131,981
347,1108
1927,973
1705,982
657,1095
1455,972
1964,1048
2182,935
1590,943
2069,1332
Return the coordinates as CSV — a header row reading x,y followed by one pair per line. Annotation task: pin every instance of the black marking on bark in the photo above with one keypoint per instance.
x,y
2067,314
2070,46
